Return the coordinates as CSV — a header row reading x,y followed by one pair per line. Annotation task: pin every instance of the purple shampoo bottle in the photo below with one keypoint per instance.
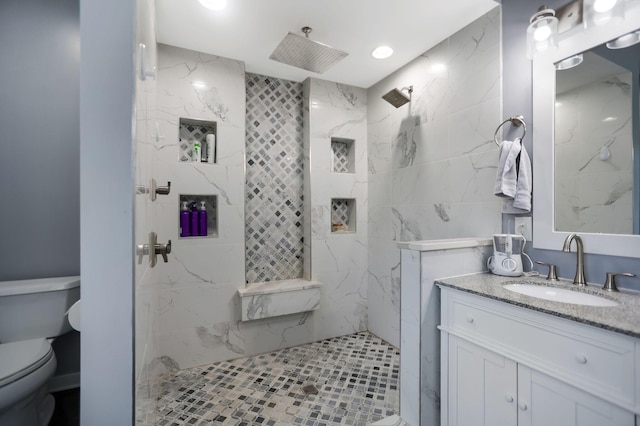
x,y
202,219
195,229
185,220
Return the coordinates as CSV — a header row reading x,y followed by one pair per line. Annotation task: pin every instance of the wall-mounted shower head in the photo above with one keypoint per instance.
x,y
302,52
396,98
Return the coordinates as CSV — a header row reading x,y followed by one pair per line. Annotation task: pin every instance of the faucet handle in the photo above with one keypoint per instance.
x,y
553,271
610,283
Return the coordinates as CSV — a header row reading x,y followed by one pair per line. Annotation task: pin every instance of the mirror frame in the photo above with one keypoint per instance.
x,y
544,234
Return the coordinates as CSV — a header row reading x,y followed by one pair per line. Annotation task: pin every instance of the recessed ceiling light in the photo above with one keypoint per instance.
x,y
601,6
214,4
382,52
570,62
625,41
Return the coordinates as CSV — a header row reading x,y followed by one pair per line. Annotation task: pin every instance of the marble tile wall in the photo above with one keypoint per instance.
x,y
273,197
146,293
432,162
578,145
338,260
196,315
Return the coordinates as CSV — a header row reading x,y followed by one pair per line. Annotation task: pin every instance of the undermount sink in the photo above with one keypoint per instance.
x,y
560,295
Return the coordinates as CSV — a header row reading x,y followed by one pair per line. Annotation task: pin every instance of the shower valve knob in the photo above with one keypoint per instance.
x,y
164,250
159,190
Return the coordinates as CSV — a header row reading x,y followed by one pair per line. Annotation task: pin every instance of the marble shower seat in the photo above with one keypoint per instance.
x,y
276,298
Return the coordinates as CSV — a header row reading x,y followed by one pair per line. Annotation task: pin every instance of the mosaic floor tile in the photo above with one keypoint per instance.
x,y
356,377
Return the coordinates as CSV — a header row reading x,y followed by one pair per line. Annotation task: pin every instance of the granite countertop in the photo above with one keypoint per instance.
x,y
624,318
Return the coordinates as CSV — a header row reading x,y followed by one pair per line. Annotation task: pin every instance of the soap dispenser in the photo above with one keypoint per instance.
x,y
195,229
185,220
202,219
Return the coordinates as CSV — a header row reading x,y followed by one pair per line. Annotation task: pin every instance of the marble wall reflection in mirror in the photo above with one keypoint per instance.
x,y
577,205
595,123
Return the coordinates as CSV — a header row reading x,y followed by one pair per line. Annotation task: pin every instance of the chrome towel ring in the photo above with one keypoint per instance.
x,y
516,121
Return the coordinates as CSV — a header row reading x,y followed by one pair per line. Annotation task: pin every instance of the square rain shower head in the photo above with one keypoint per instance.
x,y
302,52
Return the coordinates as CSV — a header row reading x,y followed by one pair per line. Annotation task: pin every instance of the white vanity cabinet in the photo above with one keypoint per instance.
x,y
507,365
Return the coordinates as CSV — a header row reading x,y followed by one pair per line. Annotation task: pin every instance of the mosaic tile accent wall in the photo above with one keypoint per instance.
x,y
274,180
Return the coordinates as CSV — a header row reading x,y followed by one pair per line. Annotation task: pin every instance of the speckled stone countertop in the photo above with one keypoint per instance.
x,y
624,318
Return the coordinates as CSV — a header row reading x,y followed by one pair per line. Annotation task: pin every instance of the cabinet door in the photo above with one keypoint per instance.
x,y
545,401
482,386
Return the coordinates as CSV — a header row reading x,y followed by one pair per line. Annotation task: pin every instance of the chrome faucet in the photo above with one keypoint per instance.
x,y
579,279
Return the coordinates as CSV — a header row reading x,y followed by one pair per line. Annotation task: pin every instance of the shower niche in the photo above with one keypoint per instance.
x,y
343,215
343,158
198,216
198,141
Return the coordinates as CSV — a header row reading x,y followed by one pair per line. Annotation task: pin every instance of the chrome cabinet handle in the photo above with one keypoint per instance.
x,y
581,358
470,319
509,398
522,405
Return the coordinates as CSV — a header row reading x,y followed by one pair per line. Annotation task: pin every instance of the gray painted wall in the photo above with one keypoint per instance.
x,y
107,193
39,139
517,99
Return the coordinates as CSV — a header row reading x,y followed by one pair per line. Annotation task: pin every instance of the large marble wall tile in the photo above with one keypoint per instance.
x,y
275,333
439,152
337,260
197,316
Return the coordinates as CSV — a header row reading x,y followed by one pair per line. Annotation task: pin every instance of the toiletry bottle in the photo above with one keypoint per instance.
x,y
185,220
202,219
194,220
196,151
203,151
211,148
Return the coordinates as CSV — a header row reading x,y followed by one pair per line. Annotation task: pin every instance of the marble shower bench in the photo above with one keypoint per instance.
x,y
275,298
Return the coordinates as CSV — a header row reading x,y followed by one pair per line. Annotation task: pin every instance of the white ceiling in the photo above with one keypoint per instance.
x,y
249,30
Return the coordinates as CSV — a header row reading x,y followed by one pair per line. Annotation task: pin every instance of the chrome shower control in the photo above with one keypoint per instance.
x,y
153,249
159,190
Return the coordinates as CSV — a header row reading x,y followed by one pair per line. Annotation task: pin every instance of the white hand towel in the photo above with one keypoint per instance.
x,y
522,200
507,176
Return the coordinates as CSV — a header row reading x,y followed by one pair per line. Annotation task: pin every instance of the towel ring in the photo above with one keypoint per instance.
x,y
516,121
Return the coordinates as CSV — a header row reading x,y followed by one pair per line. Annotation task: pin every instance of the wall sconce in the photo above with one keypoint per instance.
x,y
625,41
598,12
542,33
570,62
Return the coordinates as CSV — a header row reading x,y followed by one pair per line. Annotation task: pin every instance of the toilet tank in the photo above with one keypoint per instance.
x,y
31,309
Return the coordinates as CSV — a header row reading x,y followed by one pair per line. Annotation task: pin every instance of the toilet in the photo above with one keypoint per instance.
x,y
32,313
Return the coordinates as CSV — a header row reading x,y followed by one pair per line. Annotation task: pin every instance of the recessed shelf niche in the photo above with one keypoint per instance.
x,y
343,155
211,207
343,215
194,132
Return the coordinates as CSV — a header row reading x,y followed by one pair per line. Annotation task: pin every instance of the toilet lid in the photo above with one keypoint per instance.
x,y
17,359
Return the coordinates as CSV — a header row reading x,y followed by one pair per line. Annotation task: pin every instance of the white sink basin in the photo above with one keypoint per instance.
x,y
560,295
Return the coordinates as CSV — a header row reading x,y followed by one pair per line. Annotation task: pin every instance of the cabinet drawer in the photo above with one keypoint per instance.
x,y
584,356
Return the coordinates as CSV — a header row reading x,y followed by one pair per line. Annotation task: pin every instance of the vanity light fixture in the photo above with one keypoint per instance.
x,y
626,40
598,12
570,62
382,52
214,4
542,33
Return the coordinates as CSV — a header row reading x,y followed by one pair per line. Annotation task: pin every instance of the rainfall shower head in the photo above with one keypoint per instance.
x,y
396,98
302,52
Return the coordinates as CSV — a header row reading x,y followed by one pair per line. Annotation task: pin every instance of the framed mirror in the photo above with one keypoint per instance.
x,y
586,142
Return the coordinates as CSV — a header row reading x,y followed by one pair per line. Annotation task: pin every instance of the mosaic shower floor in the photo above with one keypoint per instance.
x,y
356,376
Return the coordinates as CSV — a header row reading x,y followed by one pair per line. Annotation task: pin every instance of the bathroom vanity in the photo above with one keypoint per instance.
x,y
511,359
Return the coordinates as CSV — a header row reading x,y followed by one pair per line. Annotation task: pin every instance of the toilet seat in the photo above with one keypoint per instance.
x,y
18,359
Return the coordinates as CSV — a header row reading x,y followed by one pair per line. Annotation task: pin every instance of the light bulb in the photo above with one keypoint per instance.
x,y
601,6
542,33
